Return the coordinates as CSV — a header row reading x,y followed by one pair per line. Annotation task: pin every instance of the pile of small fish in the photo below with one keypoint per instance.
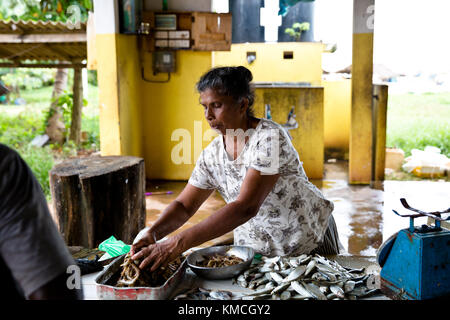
x,y
205,294
218,261
305,277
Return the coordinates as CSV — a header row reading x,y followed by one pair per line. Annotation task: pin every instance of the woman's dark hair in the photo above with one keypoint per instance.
x,y
230,81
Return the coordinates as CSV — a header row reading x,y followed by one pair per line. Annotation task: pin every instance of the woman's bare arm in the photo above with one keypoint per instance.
x,y
254,191
174,216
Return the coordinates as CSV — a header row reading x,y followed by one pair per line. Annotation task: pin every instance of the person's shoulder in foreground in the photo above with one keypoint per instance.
x,y
31,247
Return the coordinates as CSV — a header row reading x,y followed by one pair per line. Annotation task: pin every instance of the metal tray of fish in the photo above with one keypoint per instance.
x,y
106,290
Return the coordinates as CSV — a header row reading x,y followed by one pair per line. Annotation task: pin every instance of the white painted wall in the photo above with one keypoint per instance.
x,y
409,35
106,17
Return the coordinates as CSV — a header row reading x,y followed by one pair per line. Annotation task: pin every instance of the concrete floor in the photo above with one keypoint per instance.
x,y
363,214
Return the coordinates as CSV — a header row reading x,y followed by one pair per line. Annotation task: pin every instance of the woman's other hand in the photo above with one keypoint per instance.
x,y
158,254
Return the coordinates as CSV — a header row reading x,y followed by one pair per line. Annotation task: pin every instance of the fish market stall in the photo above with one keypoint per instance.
x,y
305,277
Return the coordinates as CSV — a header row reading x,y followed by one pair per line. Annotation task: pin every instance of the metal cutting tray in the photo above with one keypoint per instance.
x,y
109,276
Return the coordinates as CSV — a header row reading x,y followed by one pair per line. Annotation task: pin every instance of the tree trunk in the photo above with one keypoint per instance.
x,y
97,197
55,128
75,127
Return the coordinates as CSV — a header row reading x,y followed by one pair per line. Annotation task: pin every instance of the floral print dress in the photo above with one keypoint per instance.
x,y
294,216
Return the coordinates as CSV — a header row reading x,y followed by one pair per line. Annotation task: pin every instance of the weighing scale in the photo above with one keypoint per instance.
x,y
416,261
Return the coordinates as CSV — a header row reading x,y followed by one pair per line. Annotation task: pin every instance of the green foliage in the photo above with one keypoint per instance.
x,y
19,125
27,78
48,10
41,162
18,131
296,30
92,77
65,104
415,121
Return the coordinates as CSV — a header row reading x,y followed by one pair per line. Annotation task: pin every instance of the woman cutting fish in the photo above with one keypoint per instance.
x,y
270,204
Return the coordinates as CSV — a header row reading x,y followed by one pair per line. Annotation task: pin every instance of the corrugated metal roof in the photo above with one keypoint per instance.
x,y
33,27
42,40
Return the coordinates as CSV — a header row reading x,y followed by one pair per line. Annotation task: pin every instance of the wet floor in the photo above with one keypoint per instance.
x,y
363,215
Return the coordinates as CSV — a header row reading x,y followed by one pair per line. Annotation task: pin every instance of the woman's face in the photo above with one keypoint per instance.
x,y
222,112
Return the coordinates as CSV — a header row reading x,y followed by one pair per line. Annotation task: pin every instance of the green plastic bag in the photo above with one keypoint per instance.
x,y
114,247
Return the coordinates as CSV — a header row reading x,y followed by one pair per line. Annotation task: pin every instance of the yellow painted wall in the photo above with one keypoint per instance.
x,y
306,66
172,106
130,100
308,107
138,118
337,110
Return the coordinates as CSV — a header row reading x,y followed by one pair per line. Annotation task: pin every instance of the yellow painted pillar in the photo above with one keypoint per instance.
x,y
308,138
360,149
118,81
380,96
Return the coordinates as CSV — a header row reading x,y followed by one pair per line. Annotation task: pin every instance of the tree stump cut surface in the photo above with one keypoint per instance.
x,y
98,197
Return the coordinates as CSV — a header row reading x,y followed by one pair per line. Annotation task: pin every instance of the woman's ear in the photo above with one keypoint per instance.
x,y
244,105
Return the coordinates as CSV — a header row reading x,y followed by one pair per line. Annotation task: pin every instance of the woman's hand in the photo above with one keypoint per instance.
x,y
144,238
158,254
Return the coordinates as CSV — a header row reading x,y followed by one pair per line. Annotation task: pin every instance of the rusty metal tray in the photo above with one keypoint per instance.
x,y
107,291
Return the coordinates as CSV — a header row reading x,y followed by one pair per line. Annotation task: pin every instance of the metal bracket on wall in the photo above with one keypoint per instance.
x,y
154,81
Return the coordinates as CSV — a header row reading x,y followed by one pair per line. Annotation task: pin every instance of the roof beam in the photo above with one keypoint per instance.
x,y
58,52
43,38
42,65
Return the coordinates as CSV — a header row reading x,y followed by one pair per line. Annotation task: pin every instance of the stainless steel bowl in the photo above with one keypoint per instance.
x,y
243,252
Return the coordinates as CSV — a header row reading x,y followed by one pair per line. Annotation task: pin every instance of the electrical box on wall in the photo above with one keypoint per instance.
x,y
199,31
163,61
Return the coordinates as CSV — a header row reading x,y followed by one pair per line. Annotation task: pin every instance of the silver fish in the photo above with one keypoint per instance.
x,y
315,291
269,260
349,286
243,284
285,295
241,278
286,272
260,292
265,269
294,263
304,260
275,276
299,297
319,276
271,285
283,264
337,291
311,265
324,289
331,296
255,283
260,287
268,276
280,288
298,287
327,269
220,295
295,274
249,271
260,297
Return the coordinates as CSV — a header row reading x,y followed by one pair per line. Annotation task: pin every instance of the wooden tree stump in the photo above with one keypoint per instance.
x,y
98,197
